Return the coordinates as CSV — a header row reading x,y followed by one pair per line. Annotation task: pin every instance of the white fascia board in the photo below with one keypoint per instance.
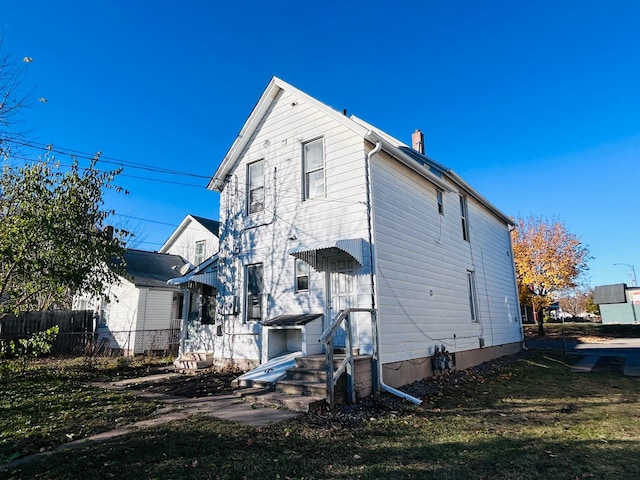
x,y
268,96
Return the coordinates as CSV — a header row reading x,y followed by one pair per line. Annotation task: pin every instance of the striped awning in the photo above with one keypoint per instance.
x,y
205,273
309,251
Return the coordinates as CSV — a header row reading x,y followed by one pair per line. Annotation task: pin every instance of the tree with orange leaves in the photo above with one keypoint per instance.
x,y
548,259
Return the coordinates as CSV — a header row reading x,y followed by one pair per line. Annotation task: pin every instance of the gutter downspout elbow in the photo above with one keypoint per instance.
x,y
383,386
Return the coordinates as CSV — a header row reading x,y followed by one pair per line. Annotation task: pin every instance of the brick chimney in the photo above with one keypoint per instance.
x,y
417,141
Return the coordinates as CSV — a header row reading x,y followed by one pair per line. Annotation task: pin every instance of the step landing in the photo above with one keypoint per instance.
x,y
268,396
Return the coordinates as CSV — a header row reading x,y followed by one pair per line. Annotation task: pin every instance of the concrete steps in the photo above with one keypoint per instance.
x,y
267,396
189,362
308,378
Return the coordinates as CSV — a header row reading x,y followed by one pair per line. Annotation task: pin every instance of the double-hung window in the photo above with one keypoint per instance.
x,y
313,167
255,290
302,276
473,301
255,187
440,200
199,256
464,216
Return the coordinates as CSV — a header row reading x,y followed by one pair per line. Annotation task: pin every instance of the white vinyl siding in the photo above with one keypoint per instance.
x,y
185,244
420,256
422,285
287,222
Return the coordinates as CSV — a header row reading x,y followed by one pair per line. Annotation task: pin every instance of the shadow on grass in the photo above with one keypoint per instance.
x,y
533,420
392,448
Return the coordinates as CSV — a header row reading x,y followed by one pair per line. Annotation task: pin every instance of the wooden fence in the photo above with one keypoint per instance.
x,y
68,321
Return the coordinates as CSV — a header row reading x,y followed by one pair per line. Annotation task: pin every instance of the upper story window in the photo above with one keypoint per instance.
x,y
313,166
302,276
255,290
440,200
201,248
255,187
471,289
464,216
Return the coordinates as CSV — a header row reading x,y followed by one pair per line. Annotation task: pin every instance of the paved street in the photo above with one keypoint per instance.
x,y
625,349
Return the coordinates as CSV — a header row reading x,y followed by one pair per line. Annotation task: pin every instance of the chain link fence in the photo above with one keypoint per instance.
x,y
107,343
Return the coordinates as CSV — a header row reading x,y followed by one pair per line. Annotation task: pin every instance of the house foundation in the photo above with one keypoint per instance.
x,y
398,374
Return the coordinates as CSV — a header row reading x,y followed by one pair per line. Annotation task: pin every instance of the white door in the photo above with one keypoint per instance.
x,y
342,294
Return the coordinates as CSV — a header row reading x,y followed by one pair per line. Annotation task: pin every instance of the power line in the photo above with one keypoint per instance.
x,y
104,158
124,175
145,220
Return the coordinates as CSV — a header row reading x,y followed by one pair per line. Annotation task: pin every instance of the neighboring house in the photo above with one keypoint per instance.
x,y
195,239
618,303
142,308
321,213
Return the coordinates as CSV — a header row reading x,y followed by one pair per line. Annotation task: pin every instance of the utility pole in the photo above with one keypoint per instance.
x,y
632,273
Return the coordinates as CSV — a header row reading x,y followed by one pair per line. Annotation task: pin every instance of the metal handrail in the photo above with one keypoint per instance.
x,y
347,363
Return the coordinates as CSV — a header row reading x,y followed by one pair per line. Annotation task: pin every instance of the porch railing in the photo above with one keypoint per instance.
x,y
347,364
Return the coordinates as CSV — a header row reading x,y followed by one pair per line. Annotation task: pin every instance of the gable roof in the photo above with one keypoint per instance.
x,y
421,164
152,269
212,226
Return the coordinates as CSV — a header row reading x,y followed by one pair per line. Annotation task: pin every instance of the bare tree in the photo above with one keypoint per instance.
x,y
13,100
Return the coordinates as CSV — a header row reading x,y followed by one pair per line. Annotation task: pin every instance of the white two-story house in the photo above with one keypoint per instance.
x,y
320,213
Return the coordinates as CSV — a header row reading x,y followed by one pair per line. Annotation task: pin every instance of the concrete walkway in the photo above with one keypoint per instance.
x,y
627,349
225,406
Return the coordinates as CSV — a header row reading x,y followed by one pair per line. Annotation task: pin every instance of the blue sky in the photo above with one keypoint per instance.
x,y
535,104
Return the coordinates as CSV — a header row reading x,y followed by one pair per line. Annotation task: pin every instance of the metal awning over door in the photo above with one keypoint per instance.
x,y
309,252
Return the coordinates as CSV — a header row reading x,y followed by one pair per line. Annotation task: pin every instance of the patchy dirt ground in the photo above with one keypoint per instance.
x,y
201,384
378,405
213,382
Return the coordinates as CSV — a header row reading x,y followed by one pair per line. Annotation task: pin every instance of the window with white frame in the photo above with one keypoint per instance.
x,y
255,290
464,216
302,275
313,167
255,187
473,301
201,248
440,200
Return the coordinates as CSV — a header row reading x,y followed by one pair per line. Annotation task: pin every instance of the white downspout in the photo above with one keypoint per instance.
x,y
383,386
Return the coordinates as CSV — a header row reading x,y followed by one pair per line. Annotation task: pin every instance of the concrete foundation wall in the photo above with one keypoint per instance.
x,y
397,374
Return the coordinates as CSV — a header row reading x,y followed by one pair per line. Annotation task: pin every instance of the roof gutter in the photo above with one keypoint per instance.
x,y
474,193
383,386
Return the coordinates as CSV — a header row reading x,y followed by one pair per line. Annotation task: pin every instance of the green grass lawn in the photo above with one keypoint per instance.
x,y
532,420
52,404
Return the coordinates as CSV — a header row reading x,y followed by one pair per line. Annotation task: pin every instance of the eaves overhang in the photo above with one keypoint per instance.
x,y
270,94
422,169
